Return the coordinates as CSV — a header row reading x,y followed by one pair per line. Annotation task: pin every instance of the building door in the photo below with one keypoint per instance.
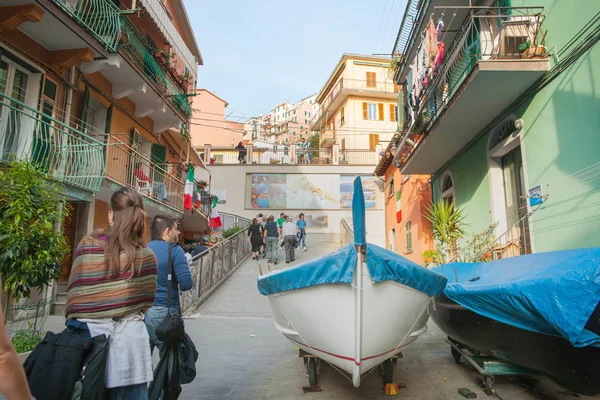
x,y
69,228
515,196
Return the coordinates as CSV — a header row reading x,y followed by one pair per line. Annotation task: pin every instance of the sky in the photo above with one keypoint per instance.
x,y
258,53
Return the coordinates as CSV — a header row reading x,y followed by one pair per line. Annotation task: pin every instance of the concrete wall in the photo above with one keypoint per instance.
x,y
233,179
416,194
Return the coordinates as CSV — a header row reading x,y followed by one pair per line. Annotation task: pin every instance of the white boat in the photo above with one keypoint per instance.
x,y
354,308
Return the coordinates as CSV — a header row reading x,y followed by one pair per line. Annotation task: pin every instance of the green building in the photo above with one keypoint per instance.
x,y
501,105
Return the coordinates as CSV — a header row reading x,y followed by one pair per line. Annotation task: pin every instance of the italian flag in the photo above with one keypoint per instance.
x,y
398,206
198,192
215,218
189,188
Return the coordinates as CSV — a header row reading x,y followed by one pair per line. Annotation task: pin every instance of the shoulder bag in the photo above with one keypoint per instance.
x,y
171,328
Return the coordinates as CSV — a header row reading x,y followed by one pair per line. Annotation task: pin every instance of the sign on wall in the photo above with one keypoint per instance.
x,y
308,192
536,196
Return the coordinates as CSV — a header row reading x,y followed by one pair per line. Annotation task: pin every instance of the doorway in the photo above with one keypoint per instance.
x,y
515,197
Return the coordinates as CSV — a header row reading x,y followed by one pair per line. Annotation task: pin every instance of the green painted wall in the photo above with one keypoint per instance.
x,y
471,186
561,138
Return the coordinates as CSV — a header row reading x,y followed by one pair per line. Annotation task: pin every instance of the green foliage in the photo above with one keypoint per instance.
x,y
31,249
25,340
447,221
479,248
313,141
432,258
227,233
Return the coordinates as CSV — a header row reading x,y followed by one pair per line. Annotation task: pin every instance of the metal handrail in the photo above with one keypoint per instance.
x,y
63,153
101,17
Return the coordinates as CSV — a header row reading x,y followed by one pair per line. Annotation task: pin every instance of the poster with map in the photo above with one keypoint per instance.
x,y
313,191
347,191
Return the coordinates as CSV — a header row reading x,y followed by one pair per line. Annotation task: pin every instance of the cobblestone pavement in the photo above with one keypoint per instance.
x,y
243,356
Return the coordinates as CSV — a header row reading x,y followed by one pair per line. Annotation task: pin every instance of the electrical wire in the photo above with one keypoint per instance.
x,y
380,24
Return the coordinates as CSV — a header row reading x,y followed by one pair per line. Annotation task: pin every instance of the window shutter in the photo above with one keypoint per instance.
x,y
380,111
158,156
373,140
365,111
371,79
108,119
392,112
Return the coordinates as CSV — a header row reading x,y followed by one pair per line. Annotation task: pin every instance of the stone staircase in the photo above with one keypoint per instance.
x,y
60,302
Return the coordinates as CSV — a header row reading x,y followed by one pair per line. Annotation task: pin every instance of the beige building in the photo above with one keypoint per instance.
x,y
358,104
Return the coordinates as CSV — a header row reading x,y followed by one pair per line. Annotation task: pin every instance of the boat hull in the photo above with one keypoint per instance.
x,y
578,369
322,321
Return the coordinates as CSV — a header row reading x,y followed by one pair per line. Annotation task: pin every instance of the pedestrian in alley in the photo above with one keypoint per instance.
x,y
289,230
301,225
242,152
272,233
255,237
112,282
262,219
281,220
165,235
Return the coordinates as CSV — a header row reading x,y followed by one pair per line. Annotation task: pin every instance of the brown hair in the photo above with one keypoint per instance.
x,y
127,230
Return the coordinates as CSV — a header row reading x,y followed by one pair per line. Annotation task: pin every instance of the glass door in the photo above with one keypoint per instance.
x,y
13,83
515,195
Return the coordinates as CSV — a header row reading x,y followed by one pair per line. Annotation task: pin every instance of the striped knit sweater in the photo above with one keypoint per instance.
x,y
93,293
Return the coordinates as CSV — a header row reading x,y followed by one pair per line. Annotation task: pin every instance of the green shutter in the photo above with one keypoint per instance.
x,y
158,157
108,119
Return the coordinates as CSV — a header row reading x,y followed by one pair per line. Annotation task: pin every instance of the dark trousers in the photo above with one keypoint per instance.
x,y
290,245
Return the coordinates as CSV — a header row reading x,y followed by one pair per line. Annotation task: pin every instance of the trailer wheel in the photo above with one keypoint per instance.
x,y
489,382
455,354
387,369
312,371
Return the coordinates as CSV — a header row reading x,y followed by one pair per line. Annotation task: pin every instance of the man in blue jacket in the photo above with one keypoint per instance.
x,y
164,231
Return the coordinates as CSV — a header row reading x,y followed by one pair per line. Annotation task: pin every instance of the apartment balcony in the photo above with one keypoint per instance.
x,y
345,87
490,62
163,21
162,190
72,30
136,74
66,155
282,155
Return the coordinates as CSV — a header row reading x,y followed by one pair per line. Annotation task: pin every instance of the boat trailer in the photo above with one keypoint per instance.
x,y
487,366
312,365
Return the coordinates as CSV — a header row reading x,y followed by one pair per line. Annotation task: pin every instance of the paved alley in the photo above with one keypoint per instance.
x,y
243,356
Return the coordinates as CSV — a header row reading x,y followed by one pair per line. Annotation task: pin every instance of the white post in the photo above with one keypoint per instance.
x,y
250,149
207,155
335,154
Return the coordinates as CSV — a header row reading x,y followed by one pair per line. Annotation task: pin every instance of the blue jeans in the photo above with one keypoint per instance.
x,y
154,317
133,392
302,238
160,190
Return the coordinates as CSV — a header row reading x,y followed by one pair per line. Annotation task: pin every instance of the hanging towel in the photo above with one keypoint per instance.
x,y
431,42
439,56
438,30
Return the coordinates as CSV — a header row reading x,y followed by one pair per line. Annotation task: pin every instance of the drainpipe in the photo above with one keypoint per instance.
x,y
69,102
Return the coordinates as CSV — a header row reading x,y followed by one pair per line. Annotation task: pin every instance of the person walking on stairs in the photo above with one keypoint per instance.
x,y
289,230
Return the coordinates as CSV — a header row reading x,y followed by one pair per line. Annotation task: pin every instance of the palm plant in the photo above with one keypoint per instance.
x,y
447,225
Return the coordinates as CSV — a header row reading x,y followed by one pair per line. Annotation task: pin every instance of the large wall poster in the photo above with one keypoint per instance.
x,y
347,191
268,191
308,192
316,221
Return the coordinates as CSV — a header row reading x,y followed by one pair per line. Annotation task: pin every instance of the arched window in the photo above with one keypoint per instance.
x,y
447,187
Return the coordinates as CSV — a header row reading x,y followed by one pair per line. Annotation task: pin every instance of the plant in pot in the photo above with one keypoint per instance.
x,y
32,249
185,80
202,184
447,227
163,57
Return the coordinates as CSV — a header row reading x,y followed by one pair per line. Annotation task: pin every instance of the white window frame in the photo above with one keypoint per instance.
x,y
450,192
373,111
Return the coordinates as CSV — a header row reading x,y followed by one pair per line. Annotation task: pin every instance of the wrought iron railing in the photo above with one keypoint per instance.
x,y
205,202
126,166
139,52
486,34
63,153
102,18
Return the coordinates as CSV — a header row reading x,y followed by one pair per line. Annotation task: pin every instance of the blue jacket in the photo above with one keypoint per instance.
x,y
181,279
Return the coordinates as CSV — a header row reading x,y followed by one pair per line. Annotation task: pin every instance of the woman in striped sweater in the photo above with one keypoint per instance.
x,y
112,283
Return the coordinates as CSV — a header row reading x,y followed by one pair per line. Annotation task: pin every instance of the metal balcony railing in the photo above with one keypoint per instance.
x,y
205,203
287,156
65,154
358,157
156,9
486,34
139,52
102,18
126,166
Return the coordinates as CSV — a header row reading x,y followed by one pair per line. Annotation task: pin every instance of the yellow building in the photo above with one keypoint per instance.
x,y
357,105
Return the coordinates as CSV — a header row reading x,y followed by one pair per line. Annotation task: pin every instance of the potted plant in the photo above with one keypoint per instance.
x,y
162,57
185,80
202,184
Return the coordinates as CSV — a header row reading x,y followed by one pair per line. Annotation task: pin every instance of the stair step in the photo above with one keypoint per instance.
x,y
61,298
59,309
62,287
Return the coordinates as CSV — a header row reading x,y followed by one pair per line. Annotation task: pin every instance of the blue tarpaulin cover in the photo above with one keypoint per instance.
x,y
338,267
553,293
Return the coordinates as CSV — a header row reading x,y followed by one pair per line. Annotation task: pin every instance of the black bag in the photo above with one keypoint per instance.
x,y
90,385
188,355
53,366
171,328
